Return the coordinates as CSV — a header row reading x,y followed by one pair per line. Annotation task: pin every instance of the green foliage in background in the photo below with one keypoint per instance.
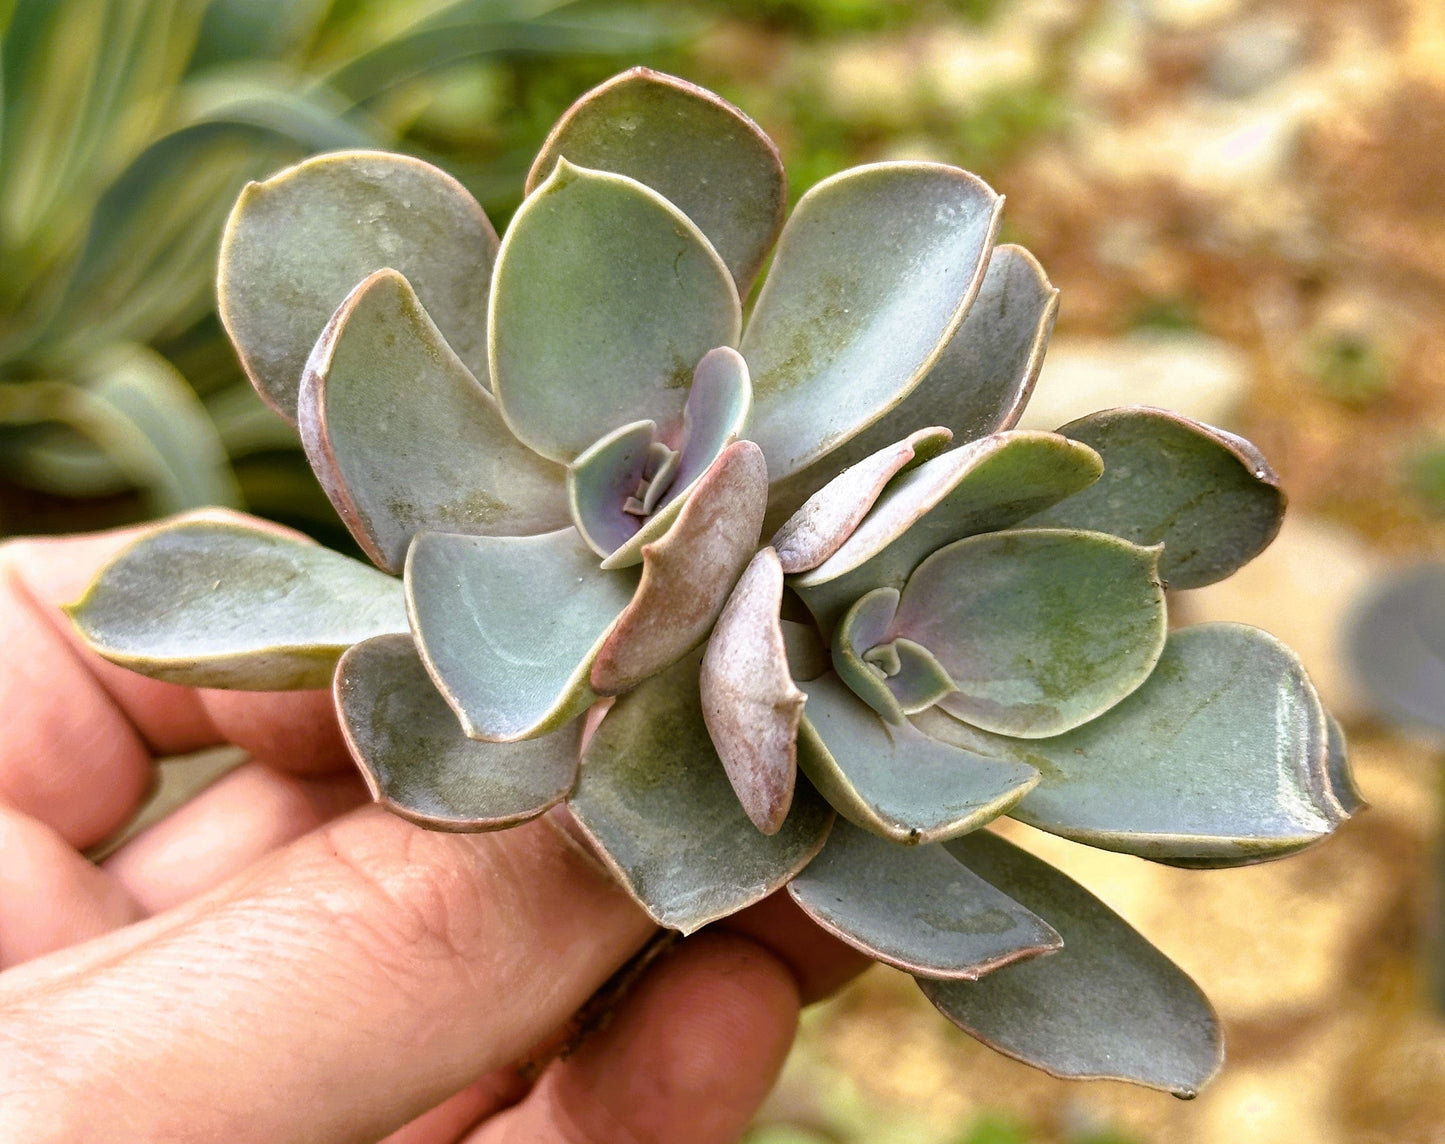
x,y
128,127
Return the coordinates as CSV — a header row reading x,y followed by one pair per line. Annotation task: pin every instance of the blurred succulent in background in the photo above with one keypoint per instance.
x,y
129,126
1396,645
563,449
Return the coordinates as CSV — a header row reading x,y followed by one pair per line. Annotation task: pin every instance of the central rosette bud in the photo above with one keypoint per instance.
x,y
626,489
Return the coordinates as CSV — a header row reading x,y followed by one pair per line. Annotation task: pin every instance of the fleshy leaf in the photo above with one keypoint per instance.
x,y
979,487
916,907
895,781
749,701
873,274
404,439
687,575
919,680
698,151
1107,1006
865,626
296,244
655,800
717,409
1208,496
1396,645
1221,757
981,382
213,603
819,528
1039,629
418,762
1341,779
508,626
604,300
601,479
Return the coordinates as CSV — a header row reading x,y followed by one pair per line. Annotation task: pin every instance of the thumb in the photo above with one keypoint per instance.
x,y
340,988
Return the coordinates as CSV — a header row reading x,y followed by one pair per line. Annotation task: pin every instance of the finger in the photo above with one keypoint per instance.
x,y
362,974
236,821
290,730
820,963
69,757
689,1057
451,1119
51,897
52,571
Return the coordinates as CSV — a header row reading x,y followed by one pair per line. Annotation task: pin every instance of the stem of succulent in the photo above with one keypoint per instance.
x,y
597,1013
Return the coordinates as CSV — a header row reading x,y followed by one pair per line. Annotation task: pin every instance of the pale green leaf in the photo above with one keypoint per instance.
x,y
508,626
873,274
1039,629
605,299
917,908
1107,1006
1221,757
211,602
895,781
980,383
1208,496
296,244
404,439
420,764
654,798
698,151
980,487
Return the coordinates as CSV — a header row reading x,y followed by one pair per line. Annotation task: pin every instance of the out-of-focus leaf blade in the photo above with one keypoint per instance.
x,y
1396,645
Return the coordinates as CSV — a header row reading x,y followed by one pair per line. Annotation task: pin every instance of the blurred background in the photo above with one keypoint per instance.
x,y
1243,204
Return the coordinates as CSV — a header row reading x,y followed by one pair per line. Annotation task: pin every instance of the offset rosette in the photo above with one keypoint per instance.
x,y
783,601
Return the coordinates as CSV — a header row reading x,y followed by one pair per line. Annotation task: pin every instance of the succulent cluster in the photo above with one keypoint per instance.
x,y
766,603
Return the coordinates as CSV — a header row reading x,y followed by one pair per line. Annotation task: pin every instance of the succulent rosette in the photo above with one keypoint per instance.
x,y
768,596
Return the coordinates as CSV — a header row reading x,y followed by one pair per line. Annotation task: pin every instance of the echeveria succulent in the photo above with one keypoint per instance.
x,y
768,598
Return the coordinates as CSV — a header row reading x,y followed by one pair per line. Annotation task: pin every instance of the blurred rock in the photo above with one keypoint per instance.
x,y
1253,54
1191,373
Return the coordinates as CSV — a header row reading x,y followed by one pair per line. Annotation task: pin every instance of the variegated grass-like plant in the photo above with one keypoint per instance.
x,y
646,558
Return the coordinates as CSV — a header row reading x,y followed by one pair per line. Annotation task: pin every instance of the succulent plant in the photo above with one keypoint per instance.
x,y
1396,645
783,602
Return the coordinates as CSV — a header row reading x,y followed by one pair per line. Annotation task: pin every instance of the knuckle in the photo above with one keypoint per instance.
x,y
408,900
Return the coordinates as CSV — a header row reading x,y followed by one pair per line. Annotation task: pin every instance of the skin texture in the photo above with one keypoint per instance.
x,y
276,961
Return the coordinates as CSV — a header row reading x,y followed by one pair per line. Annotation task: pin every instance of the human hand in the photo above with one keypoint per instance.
x,y
276,961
